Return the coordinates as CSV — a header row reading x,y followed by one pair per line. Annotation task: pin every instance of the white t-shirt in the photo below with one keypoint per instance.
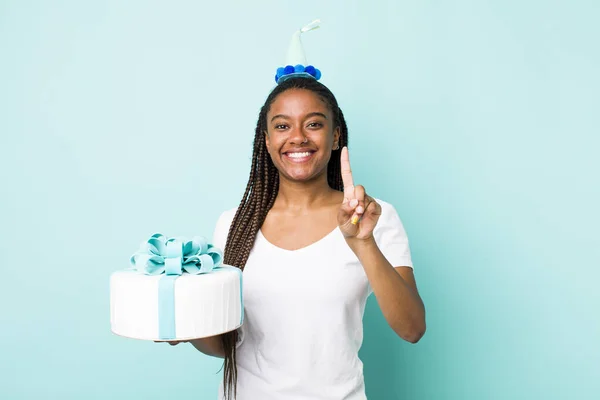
x,y
303,310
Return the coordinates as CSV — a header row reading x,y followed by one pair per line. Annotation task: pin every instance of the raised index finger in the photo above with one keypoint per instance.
x,y
347,174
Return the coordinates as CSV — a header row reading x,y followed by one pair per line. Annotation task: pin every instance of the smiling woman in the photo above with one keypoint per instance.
x,y
312,247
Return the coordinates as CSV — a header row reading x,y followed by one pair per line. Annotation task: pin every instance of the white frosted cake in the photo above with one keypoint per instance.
x,y
178,290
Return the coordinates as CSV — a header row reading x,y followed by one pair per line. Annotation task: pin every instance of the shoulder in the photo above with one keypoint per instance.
x,y
222,227
391,236
226,217
388,211
389,219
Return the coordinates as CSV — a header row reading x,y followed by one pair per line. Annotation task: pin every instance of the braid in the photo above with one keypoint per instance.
x,y
334,168
259,197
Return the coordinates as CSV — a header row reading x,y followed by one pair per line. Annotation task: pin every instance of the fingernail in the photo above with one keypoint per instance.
x,y
353,203
359,209
354,220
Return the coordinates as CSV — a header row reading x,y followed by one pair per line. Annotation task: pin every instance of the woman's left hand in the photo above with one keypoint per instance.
x,y
359,212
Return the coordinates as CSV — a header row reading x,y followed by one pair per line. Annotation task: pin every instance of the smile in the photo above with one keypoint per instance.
x,y
299,157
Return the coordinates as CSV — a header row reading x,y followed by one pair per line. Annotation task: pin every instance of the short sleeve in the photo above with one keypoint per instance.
x,y
391,237
221,230
220,234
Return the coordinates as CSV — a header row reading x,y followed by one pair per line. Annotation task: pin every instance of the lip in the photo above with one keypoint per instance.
x,y
300,150
299,159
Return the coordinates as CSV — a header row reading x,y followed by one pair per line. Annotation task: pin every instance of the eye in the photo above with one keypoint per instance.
x,y
280,127
315,125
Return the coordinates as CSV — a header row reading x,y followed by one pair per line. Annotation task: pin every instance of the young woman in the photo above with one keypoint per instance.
x,y
313,247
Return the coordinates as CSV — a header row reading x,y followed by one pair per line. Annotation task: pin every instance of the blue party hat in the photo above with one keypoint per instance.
x,y
296,64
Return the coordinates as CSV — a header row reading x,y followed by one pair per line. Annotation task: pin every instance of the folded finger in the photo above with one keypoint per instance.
x,y
359,192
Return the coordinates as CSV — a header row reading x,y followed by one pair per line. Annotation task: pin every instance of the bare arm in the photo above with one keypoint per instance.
x,y
395,290
393,285
211,346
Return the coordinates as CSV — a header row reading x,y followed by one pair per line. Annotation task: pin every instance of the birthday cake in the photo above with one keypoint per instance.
x,y
176,289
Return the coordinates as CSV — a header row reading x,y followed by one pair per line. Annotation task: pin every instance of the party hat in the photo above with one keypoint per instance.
x,y
296,64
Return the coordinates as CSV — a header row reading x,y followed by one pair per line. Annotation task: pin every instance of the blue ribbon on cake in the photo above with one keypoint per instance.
x,y
174,257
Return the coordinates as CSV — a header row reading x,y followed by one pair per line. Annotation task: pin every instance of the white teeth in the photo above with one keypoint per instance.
x,y
299,155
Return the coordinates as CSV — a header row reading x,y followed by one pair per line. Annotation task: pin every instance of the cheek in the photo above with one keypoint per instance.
x,y
273,146
270,144
325,140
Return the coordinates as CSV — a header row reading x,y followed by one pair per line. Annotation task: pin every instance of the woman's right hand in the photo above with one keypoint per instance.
x,y
211,346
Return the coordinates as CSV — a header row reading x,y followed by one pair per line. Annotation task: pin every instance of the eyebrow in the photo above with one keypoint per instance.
x,y
312,114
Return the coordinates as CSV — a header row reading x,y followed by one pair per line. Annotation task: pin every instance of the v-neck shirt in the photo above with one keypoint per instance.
x,y
303,309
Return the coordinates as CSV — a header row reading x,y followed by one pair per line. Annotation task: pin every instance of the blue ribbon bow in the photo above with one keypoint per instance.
x,y
174,257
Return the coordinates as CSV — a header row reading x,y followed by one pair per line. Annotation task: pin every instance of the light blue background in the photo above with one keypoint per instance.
x,y
478,120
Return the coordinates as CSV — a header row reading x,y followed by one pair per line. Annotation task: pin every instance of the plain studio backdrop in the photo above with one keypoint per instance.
x,y
477,119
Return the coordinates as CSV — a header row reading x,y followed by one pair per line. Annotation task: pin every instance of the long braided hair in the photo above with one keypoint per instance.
x,y
260,194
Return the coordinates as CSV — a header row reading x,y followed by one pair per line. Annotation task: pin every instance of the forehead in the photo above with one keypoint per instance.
x,y
295,102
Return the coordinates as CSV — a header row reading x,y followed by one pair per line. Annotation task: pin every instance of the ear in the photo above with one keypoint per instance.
x,y
336,138
267,141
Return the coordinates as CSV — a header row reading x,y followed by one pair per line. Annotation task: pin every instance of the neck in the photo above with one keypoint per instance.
x,y
303,195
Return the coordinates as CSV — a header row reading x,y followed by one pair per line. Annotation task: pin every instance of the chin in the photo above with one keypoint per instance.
x,y
298,177
301,176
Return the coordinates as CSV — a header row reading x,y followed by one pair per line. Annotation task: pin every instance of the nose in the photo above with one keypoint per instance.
x,y
297,135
